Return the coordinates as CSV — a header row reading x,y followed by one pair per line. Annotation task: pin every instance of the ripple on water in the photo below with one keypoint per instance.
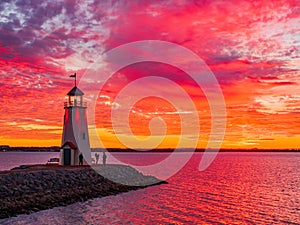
x,y
250,188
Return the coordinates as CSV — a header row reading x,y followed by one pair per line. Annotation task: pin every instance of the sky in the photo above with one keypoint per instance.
x,y
252,48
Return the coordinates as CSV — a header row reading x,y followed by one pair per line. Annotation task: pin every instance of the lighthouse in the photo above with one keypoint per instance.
x,y
75,137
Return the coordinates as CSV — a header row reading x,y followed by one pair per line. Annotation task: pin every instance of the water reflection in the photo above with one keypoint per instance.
x,y
238,188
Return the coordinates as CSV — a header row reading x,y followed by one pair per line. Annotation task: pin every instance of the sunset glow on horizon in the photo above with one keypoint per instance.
x,y
252,47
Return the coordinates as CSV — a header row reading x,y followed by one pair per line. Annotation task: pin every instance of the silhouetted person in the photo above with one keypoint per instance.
x,y
97,158
104,158
80,159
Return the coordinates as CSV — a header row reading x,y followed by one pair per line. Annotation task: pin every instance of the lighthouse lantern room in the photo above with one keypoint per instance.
x,y
75,138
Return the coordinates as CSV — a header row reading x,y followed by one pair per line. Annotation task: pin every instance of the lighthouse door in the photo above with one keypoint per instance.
x,y
67,156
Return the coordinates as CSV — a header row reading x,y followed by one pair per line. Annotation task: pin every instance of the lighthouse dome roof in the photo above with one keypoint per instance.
x,y
75,91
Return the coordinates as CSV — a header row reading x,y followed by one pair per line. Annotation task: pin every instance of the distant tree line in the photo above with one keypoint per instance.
x,y
29,149
7,148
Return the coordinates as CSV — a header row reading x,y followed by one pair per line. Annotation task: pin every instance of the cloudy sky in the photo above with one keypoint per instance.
x,y
252,47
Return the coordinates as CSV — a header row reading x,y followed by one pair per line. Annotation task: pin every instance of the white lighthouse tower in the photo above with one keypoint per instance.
x,y
75,137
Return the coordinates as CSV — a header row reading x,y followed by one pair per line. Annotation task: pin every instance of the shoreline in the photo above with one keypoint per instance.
x,y
126,150
33,188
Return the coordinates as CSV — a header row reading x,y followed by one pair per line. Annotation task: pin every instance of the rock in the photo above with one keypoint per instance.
x,y
32,189
20,167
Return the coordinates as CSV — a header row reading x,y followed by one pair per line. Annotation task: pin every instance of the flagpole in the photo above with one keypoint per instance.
x,y
75,81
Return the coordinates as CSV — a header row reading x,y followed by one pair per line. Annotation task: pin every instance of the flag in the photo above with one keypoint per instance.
x,y
74,75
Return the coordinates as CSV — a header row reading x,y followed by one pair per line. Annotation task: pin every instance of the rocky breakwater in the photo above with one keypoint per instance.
x,y
33,188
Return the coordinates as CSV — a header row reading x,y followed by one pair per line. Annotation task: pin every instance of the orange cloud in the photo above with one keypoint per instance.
x,y
251,47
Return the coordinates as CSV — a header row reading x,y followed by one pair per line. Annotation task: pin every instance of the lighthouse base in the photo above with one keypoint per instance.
x,y
70,155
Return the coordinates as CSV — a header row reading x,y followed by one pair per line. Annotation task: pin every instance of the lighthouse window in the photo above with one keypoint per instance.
x,y
83,136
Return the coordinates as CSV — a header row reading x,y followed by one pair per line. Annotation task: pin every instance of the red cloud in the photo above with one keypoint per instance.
x,y
251,47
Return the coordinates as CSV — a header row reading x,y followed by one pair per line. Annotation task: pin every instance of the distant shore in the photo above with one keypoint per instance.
x,y
6,148
37,187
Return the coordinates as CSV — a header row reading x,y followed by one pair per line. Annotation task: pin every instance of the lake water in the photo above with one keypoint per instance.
x,y
9,160
238,188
